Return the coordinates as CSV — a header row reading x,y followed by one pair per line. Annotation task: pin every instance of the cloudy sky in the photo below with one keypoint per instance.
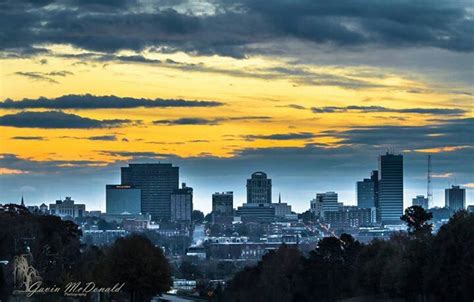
x,y
310,92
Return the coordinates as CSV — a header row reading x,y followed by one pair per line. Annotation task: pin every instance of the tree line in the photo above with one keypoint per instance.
x,y
410,266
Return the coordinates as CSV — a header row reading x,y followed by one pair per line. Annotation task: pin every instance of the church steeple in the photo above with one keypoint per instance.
x,y
22,201
279,197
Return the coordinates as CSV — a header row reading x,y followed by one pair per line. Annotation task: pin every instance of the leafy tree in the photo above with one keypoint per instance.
x,y
307,216
417,220
54,243
189,271
103,225
135,261
215,229
450,269
208,217
273,279
197,216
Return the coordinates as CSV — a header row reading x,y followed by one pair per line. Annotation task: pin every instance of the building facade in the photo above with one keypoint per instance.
x,y
350,216
223,203
324,202
67,208
420,201
182,204
253,212
390,204
282,209
455,198
156,182
259,188
121,199
367,192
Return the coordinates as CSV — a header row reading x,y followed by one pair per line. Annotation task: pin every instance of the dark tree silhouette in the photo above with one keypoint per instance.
x,y
417,220
416,267
135,261
450,269
307,216
187,270
54,243
273,279
197,216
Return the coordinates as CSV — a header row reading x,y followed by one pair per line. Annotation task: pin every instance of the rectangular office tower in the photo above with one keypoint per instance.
x,y
223,203
367,192
390,188
455,198
259,188
120,199
156,182
182,204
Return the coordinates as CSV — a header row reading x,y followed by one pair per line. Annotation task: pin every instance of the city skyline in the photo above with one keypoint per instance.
x,y
309,92
298,206
243,150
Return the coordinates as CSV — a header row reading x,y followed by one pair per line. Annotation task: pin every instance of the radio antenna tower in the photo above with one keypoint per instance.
x,y
429,193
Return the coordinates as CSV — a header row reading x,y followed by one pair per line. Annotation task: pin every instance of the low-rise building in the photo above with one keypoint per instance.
x,y
256,212
67,208
420,201
350,216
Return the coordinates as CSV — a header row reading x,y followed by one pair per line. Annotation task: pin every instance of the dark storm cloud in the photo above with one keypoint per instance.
x,y
237,25
452,133
138,155
393,23
368,109
297,75
103,138
57,119
293,106
26,138
213,121
36,76
187,121
281,137
12,161
88,101
44,76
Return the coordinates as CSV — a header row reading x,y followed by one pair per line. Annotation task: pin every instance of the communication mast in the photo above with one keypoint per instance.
x,y
429,193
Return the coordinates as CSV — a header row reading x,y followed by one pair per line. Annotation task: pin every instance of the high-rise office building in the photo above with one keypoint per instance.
x,y
390,201
455,198
121,199
366,194
420,201
156,182
223,203
181,203
374,177
259,188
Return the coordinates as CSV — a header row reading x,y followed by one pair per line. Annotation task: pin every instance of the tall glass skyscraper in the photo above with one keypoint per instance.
x,y
390,203
157,182
366,194
368,191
